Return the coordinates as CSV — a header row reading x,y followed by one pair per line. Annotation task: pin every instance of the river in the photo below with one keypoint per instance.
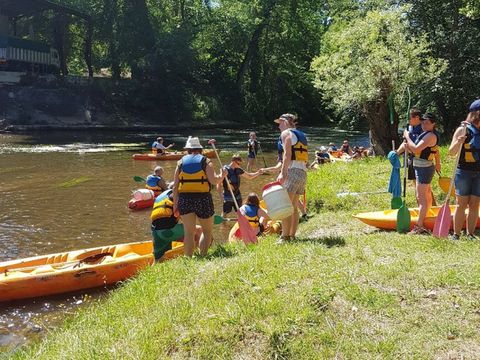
x,y
69,190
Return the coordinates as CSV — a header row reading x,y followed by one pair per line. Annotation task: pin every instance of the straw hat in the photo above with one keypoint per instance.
x,y
193,143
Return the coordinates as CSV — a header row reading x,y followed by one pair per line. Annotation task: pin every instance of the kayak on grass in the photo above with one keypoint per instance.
x,y
170,156
387,219
76,270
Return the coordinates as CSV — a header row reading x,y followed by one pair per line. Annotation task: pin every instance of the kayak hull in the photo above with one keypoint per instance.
x,y
135,204
172,156
387,219
65,272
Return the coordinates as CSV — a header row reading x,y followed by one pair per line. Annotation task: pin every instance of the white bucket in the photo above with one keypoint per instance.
x,y
278,203
143,194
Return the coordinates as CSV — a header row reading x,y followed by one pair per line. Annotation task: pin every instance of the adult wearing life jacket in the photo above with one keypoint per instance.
x,y
158,148
293,170
234,175
193,178
426,160
155,181
467,176
252,148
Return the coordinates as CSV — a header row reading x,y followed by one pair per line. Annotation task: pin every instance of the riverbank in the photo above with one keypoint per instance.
x,y
341,290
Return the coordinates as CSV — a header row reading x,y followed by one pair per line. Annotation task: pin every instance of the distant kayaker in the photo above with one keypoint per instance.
x,y
234,173
293,171
158,148
252,147
165,226
467,176
193,178
426,153
254,213
155,181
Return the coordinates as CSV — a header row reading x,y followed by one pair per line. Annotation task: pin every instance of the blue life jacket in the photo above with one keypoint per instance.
x,y
152,182
429,152
251,213
280,149
470,152
234,178
193,178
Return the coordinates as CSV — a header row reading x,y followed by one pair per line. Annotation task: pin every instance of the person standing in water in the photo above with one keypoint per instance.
x,y
252,147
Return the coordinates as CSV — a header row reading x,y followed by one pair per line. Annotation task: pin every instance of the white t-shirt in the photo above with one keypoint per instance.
x,y
158,146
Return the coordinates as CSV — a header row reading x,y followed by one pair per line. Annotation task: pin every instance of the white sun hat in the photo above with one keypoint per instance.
x,y
193,143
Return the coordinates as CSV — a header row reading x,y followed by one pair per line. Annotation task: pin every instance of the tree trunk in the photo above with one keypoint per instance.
x,y
382,131
59,36
88,48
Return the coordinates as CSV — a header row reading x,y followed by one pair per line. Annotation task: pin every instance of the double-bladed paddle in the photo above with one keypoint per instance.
x,y
444,217
139,179
403,214
247,233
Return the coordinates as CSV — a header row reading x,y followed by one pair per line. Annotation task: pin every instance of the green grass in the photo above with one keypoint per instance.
x,y
342,290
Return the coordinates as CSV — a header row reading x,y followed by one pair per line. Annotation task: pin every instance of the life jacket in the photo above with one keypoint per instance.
x,y
415,132
280,149
163,206
252,146
234,178
470,152
300,149
152,182
429,152
193,178
251,214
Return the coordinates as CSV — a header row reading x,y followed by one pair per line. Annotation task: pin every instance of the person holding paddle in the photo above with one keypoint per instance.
x,y
252,147
192,199
466,139
158,148
425,152
234,173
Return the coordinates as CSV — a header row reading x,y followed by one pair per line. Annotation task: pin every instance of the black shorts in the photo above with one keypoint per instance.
x,y
200,204
229,205
410,170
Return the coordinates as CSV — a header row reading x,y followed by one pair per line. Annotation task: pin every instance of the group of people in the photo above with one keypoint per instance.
x,y
189,198
421,144
324,154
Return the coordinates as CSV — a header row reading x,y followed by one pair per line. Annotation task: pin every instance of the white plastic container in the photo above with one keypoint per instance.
x,y
278,203
143,194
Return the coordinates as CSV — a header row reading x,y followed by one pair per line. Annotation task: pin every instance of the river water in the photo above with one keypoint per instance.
x,y
62,191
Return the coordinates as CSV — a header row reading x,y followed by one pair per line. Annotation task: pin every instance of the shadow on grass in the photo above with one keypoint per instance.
x,y
328,241
220,251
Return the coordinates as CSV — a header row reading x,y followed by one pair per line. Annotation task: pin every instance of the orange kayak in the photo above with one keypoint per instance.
x,y
76,270
170,156
388,219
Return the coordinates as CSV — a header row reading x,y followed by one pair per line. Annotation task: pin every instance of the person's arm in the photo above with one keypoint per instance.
x,y
273,168
428,141
457,141
162,184
170,146
176,180
249,175
262,213
287,155
213,178
219,187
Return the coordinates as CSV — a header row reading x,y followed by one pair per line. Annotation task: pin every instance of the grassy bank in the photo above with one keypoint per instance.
x,y
342,290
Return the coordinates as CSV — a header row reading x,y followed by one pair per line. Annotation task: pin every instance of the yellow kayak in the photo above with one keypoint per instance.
x,y
388,219
76,270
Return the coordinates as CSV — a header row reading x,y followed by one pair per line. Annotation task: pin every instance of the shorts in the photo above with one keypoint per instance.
x,y
467,182
410,170
200,204
229,205
251,155
296,181
424,175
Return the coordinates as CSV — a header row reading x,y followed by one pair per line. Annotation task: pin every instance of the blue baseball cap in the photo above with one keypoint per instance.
x,y
474,106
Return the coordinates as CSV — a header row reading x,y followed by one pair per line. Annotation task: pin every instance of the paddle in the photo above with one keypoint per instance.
x,y
403,214
444,183
348,193
139,179
263,158
247,233
444,217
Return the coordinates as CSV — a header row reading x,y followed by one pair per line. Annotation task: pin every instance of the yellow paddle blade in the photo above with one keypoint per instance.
x,y
444,184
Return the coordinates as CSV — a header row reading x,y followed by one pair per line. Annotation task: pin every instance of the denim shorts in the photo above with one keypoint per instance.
x,y
467,183
424,175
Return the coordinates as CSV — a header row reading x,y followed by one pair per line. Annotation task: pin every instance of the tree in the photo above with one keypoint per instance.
x,y
368,60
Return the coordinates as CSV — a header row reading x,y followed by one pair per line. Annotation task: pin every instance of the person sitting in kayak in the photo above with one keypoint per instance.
x,y
254,213
234,173
155,181
165,226
252,147
158,148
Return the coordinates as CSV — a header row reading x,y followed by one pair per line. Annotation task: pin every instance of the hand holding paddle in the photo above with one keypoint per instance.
x,y
247,233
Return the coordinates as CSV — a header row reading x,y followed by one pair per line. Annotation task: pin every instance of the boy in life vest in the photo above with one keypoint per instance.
x,y
252,147
254,213
234,173
165,226
155,181
158,148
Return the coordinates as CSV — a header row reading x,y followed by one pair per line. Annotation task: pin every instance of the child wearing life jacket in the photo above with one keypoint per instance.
x,y
253,212
252,147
